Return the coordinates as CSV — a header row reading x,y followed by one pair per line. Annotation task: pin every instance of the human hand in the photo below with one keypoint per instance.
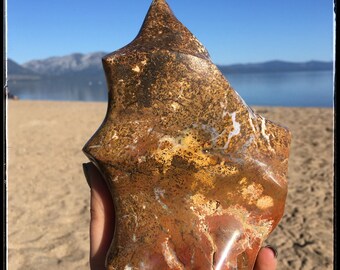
x,y
102,218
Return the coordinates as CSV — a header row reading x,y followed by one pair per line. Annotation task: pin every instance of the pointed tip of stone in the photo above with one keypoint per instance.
x,y
159,7
156,2
160,4
162,30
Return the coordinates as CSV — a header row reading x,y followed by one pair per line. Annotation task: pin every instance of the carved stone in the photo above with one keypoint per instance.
x,y
197,178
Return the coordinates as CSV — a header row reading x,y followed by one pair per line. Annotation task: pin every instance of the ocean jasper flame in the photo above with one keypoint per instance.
x,y
197,177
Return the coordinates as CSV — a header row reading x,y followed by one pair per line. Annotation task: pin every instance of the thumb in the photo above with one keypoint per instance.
x,y
266,259
102,217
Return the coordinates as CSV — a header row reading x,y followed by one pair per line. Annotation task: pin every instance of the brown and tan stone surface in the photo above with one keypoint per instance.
x,y
197,177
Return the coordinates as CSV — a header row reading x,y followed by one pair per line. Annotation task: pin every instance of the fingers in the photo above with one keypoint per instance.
x,y
102,217
266,259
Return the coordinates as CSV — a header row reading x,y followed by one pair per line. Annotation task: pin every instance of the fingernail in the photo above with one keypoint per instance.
x,y
86,173
273,249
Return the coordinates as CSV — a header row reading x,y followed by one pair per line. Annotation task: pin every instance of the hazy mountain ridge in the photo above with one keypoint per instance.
x,y
277,66
74,63
79,65
20,72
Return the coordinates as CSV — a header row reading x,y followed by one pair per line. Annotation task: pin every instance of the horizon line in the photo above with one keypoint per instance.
x,y
216,63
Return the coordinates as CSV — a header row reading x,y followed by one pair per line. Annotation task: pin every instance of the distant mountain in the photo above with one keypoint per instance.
x,y
18,72
89,67
277,66
69,65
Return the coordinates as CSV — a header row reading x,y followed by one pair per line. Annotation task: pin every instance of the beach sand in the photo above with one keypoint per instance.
x,y
48,197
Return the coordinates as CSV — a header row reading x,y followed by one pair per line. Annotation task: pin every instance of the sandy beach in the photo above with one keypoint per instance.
x,y
48,197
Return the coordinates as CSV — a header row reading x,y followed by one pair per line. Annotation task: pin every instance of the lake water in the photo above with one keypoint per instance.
x,y
297,89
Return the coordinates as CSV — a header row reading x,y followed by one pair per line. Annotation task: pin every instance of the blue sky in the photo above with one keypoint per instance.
x,y
233,31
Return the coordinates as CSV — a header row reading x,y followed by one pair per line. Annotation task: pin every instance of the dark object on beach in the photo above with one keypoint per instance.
x,y
197,178
11,96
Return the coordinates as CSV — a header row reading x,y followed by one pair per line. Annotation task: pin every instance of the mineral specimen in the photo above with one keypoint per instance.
x,y
198,178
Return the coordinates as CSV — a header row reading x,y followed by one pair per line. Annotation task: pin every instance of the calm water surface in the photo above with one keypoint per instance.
x,y
306,89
